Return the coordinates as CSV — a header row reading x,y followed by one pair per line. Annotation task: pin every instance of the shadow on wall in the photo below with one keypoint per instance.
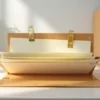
x,y
63,15
47,16
3,37
4,30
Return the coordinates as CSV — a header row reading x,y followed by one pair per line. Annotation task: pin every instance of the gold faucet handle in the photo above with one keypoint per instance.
x,y
31,33
70,38
71,31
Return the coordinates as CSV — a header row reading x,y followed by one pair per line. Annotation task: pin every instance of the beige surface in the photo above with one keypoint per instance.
x,y
51,36
48,45
59,80
49,68
50,81
47,63
96,29
41,54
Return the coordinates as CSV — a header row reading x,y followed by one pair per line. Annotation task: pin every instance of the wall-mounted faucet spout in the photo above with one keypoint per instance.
x,y
31,33
70,39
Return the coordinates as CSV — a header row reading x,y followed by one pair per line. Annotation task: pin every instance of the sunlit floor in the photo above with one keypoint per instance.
x,y
50,92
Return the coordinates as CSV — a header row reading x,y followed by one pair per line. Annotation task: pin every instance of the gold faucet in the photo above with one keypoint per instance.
x,y
70,39
31,33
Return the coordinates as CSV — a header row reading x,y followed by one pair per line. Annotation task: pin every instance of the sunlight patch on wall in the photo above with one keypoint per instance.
x,y
48,45
17,15
42,25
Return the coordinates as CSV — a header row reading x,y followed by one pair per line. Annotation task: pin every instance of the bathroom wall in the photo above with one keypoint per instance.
x,y
46,16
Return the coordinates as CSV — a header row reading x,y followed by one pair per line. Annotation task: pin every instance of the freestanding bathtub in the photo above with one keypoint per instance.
x,y
47,63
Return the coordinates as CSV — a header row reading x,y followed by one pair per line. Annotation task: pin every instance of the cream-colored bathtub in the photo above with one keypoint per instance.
x,y
47,63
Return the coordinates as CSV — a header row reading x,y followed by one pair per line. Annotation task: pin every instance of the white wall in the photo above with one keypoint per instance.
x,y
46,16
0,9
